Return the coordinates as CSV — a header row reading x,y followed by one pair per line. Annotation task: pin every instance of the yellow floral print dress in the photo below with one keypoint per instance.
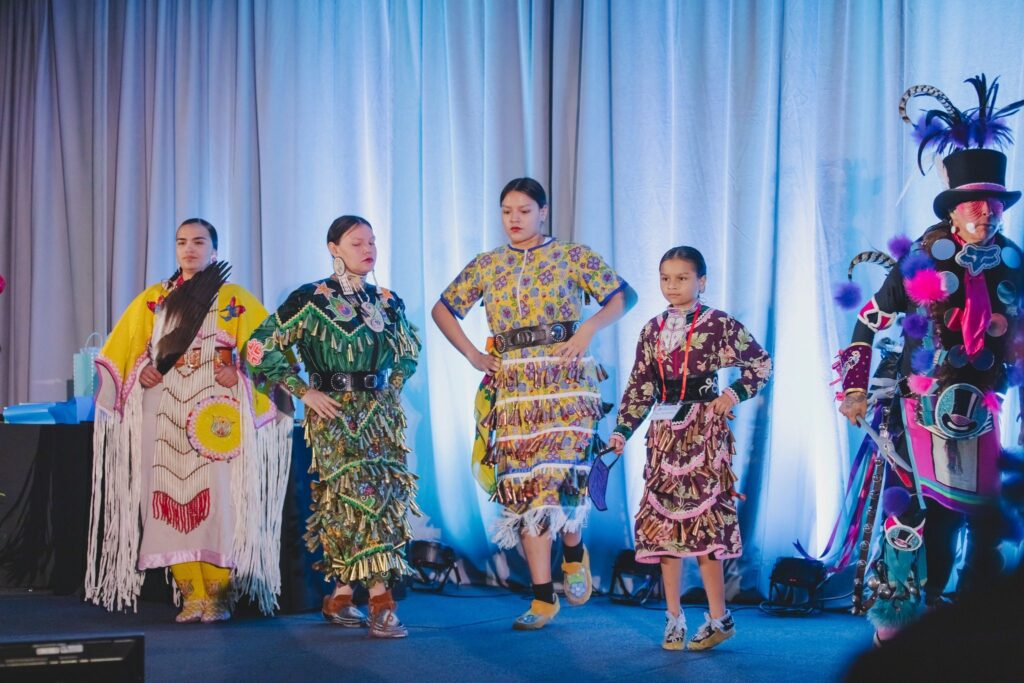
x,y
545,410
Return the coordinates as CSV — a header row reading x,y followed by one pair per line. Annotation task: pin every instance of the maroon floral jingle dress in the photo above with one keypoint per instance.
x,y
687,509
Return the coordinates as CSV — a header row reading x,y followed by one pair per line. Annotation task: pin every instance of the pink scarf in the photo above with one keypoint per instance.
x,y
976,314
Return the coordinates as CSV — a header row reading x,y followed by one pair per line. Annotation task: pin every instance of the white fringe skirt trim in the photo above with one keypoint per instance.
x,y
259,480
553,519
112,578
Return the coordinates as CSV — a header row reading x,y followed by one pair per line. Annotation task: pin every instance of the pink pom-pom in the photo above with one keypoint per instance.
x,y
899,246
993,402
920,385
925,287
3,284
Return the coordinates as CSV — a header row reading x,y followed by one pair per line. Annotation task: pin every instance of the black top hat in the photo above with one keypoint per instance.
x,y
974,174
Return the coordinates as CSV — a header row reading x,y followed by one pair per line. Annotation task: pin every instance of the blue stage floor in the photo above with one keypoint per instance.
x,y
458,639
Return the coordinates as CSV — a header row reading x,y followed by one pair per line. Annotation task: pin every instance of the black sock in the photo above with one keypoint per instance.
x,y
545,592
573,553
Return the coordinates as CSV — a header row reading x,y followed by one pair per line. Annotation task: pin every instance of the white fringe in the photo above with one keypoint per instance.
x,y
545,359
558,519
551,469
259,479
551,430
176,596
547,397
111,577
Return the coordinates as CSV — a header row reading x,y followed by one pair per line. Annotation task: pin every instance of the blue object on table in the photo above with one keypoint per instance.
x,y
86,406
29,413
65,413
71,412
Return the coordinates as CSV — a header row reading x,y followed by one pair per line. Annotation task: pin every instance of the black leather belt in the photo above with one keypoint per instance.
x,y
348,381
699,388
523,337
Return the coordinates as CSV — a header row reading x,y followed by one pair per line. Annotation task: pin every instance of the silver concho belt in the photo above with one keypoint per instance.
x,y
523,337
347,381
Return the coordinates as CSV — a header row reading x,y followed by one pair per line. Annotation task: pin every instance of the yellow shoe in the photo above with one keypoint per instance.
x,y
218,602
216,610
713,632
576,582
191,612
189,579
539,614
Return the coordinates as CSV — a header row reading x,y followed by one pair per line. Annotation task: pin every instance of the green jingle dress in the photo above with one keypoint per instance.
x,y
364,490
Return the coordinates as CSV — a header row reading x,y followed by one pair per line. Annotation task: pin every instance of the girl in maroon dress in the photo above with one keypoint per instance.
x,y
687,509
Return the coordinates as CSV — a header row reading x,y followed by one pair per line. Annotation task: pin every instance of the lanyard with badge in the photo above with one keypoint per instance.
x,y
662,355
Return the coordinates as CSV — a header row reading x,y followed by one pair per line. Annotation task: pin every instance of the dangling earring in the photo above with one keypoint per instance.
x,y
341,272
373,274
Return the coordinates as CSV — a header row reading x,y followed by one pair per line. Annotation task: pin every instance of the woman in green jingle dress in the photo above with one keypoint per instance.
x,y
358,349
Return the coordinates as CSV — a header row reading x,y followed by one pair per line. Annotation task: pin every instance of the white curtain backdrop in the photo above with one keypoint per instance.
x,y
763,133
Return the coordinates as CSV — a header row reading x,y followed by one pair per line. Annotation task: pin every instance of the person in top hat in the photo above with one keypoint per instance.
x,y
958,287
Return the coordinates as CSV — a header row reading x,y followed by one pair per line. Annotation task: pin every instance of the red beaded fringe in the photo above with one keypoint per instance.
x,y
183,517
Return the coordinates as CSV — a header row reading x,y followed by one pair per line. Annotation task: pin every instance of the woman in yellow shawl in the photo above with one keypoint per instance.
x,y
191,459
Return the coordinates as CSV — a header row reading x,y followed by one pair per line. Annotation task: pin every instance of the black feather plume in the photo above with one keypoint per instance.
x,y
185,308
948,129
986,128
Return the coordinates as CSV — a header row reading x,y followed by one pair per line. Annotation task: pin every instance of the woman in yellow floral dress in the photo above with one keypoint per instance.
x,y
543,385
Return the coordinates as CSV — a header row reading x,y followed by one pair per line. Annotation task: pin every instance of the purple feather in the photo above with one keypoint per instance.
x,y
899,247
942,132
960,136
991,134
921,361
927,130
895,500
847,295
915,325
914,263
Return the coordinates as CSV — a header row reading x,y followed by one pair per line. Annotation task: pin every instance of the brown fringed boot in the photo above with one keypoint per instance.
x,y
384,622
338,609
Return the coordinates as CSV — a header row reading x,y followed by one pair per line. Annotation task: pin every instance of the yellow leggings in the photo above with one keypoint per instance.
x,y
201,580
